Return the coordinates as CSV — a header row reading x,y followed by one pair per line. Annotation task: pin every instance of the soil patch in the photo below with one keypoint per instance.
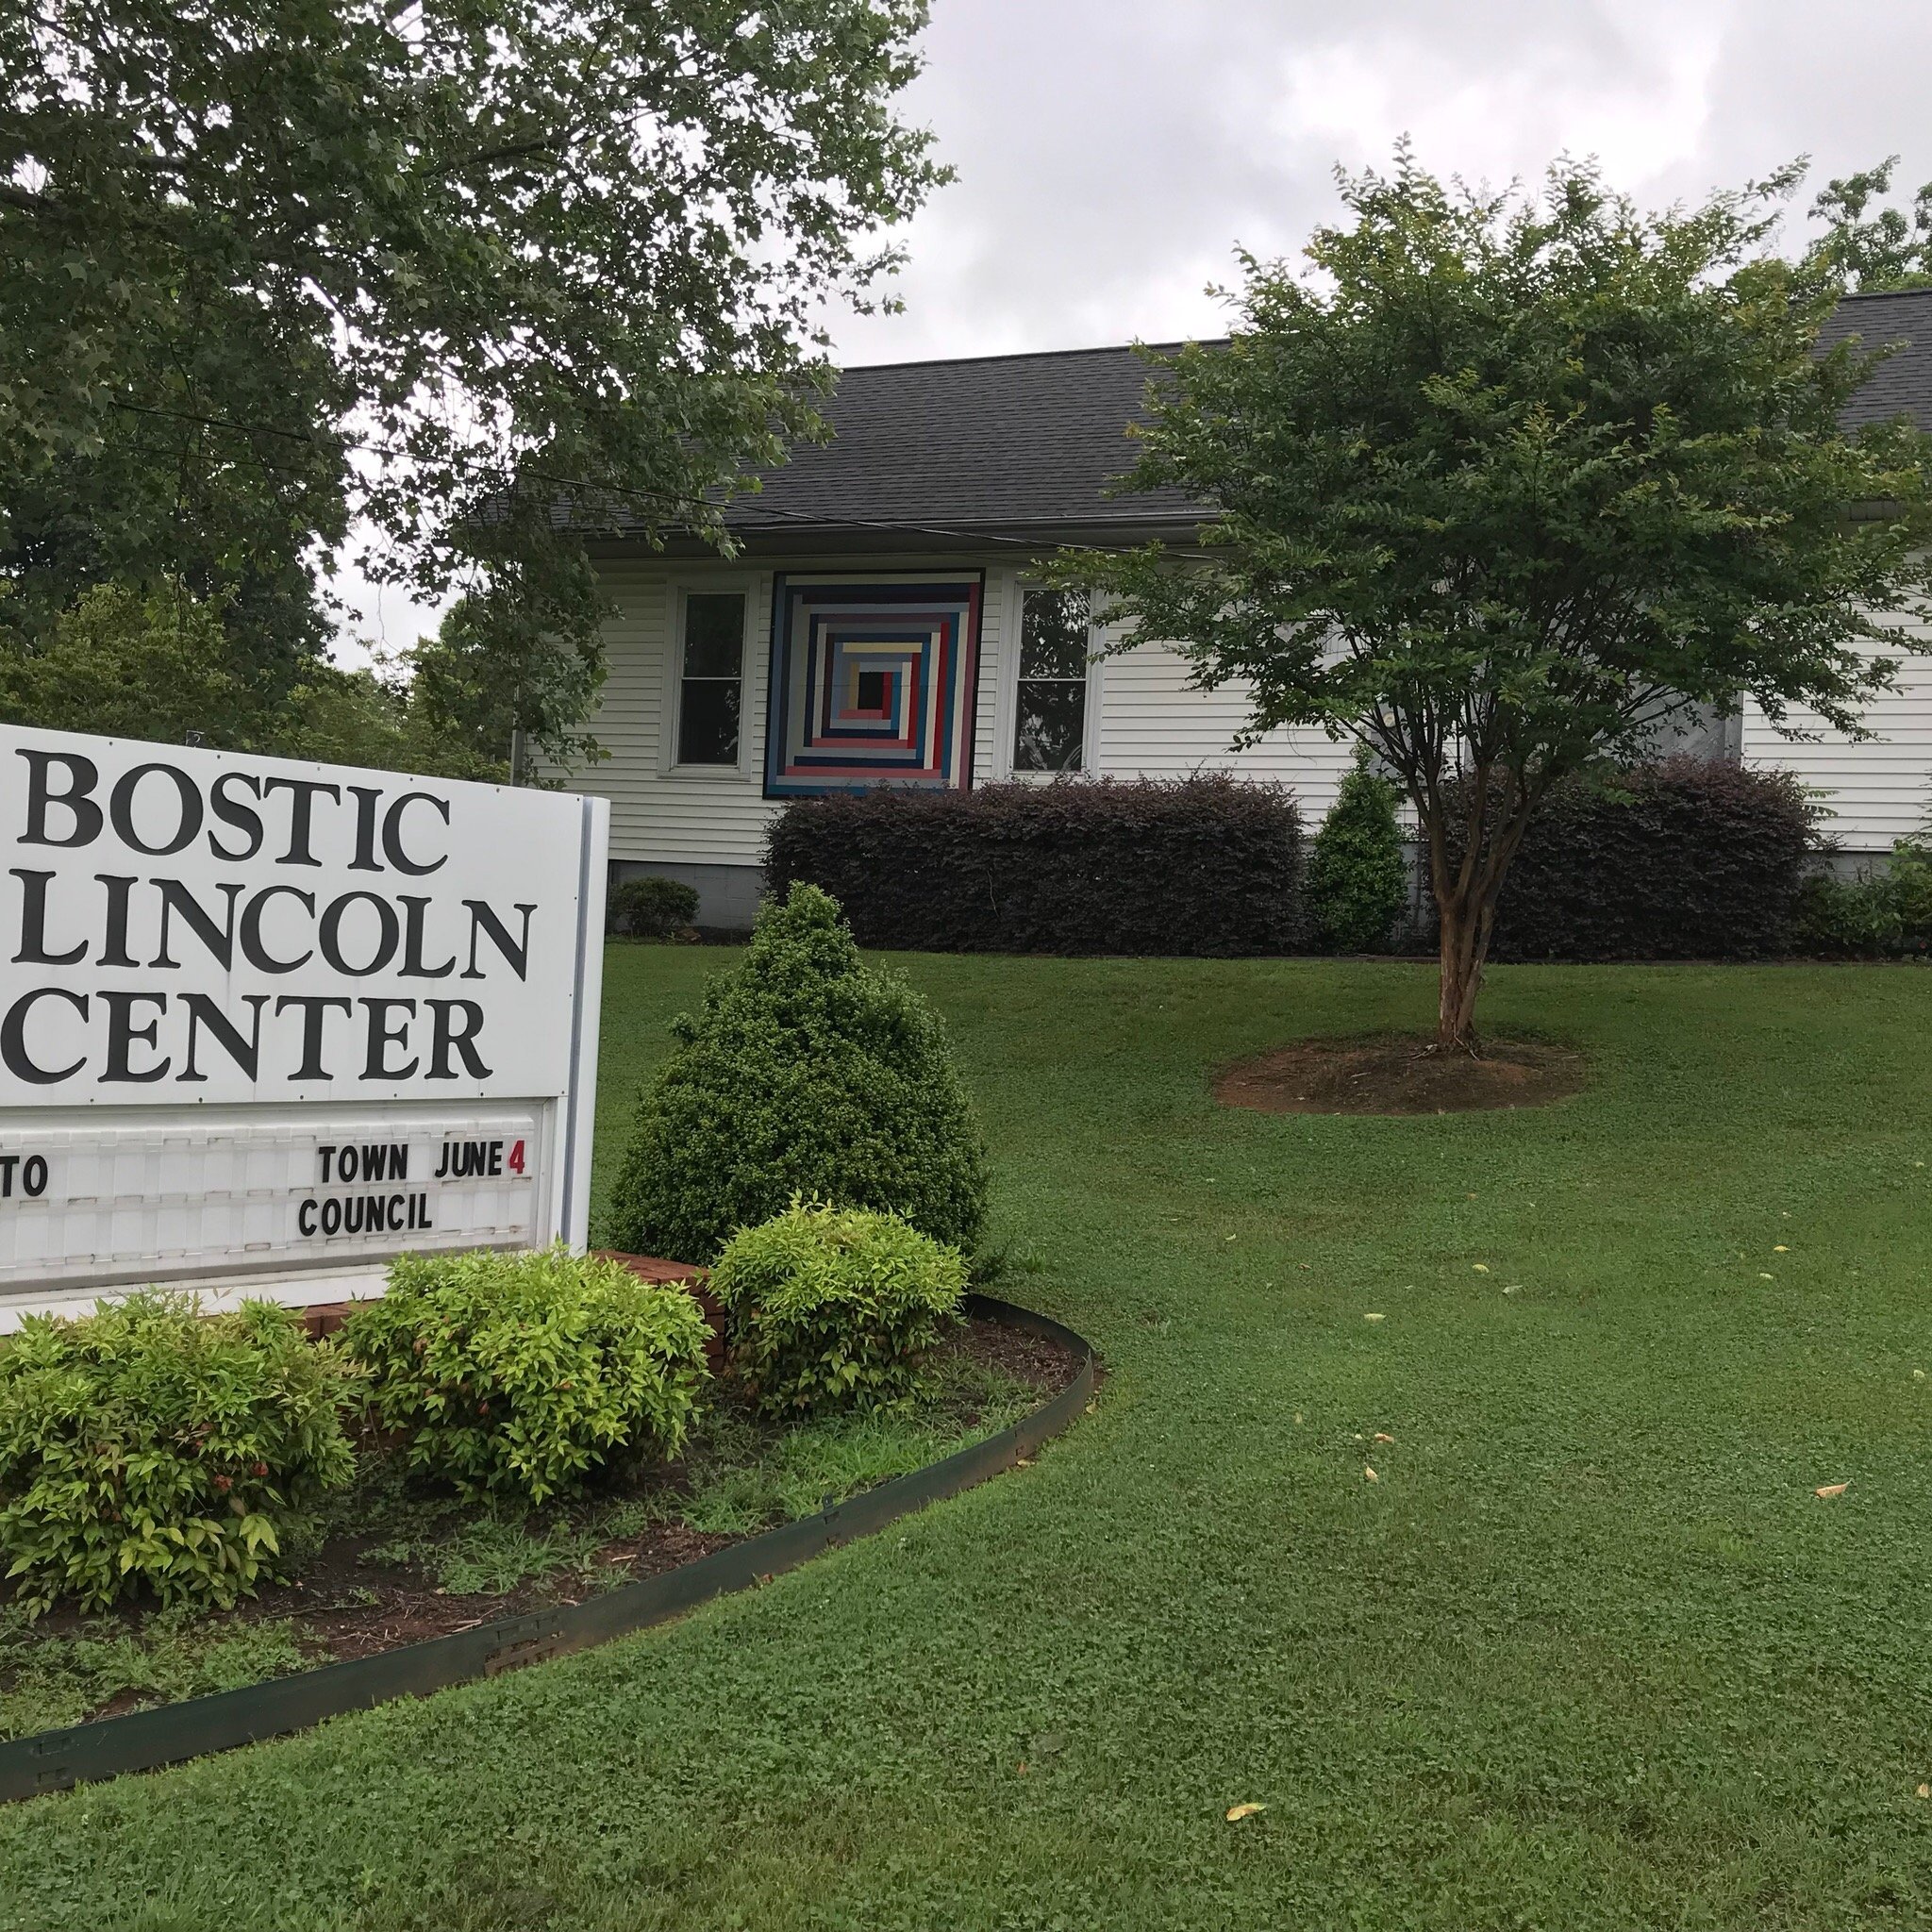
x,y
1398,1075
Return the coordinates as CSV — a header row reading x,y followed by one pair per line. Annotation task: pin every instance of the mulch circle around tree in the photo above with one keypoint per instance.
x,y
1392,1074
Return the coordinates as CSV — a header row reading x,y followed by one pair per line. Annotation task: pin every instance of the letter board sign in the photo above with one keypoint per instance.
x,y
264,1019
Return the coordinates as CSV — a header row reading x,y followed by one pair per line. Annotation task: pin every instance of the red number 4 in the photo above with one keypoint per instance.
x,y
516,1158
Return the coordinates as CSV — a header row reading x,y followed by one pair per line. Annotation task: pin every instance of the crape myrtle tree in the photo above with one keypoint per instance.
x,y
1499,484
268,266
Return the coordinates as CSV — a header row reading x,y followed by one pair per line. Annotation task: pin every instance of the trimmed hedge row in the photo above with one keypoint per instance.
x,y
1196,866
1688,858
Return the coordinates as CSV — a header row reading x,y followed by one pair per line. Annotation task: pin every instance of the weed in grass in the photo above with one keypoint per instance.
x,y
50,1677
816,1464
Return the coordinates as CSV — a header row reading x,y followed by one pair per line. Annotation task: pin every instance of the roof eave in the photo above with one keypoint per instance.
x,y
1036,537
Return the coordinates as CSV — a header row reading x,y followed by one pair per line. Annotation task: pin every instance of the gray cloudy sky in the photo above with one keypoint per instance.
x,y
1112,153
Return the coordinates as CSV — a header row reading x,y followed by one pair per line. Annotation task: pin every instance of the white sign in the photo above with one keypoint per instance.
x,y
260,1017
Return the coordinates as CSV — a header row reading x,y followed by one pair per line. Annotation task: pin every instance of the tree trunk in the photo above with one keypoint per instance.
x,y
1466,881
1464,929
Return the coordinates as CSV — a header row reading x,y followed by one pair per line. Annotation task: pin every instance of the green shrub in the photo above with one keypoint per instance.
x,y
526,1371
147,1446
651,909
1358,876
802,1074
834,1307
1882,914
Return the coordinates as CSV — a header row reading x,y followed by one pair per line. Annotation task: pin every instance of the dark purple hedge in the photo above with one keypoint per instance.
x,y
1203,865
1688,858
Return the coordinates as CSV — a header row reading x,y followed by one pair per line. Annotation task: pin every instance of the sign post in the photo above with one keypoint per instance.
x,y
265,1025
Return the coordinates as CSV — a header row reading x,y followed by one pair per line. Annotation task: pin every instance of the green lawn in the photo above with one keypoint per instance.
x,y
1589,1654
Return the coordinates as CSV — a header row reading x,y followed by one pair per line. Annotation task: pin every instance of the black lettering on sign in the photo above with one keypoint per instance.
x,y
374,1161
130,825
29,1171
486,1159
33,924
303,793
13,1037
239,817
74,798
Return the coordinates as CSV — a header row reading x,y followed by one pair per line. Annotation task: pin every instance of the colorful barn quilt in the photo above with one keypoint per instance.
x,y
873,683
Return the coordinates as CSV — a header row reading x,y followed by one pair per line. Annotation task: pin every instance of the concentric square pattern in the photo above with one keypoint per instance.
x,y
872,683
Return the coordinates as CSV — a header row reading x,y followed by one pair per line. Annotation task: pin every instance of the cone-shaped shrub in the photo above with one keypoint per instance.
x,y
1357,878
803,1073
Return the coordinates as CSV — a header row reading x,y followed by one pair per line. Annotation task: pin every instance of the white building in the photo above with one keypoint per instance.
x,y
883,620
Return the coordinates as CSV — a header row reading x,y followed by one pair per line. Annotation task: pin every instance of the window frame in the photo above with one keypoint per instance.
x,y
682,591
1008,707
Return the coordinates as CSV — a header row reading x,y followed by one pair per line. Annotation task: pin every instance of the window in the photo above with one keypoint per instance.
x,y
1050,706
710,682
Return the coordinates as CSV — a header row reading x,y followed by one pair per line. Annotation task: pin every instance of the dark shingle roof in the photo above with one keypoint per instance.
x,y
1902,384
1020,445
1004,443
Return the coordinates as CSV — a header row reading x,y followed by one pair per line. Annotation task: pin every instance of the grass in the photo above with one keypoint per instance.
x,y
177,1654
1589,1653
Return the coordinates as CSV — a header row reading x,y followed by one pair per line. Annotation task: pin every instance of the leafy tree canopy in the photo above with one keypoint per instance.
x,y
1868,247
266,266
161,664
1500,483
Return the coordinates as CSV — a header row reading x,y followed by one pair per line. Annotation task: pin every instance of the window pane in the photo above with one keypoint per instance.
x,y
1050,713
714,634
708,722
1053,635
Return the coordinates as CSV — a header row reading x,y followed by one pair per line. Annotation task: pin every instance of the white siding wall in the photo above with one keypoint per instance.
x,y
1147,724
1152,725
696,817
1876,790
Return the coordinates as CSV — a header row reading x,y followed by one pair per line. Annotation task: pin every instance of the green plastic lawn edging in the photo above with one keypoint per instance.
x,y
147,1739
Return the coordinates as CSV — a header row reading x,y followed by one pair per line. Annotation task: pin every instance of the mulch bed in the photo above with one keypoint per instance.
x,y
1396,1076
345,1607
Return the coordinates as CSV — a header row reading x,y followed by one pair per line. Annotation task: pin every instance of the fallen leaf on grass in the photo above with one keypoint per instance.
x,y
1781,1249
1374,1318
1480,1267
1924,1791
1830,1489
1382,1437
1368,1475
1237,1812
